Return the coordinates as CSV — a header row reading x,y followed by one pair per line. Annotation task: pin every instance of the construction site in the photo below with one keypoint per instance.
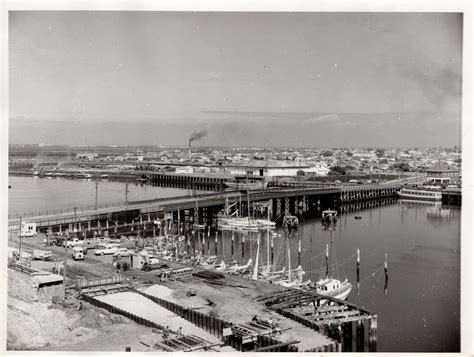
x,y
105,303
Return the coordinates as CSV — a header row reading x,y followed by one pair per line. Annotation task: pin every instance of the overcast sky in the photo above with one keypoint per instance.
x,y
298,71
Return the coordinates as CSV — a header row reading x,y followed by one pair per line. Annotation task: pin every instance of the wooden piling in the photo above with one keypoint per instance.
x,y
373,334
347,337
327,261
232,246
299,252
358,271
271,251
360,336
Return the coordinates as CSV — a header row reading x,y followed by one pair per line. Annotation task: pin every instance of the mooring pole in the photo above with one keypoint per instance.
x,y
386,275
232,246
215,244
243,244
360,336
358,271
373,334
327,261
271,251
299,252
203,243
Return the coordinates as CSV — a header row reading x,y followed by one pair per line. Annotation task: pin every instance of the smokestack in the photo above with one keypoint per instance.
x,y
196,135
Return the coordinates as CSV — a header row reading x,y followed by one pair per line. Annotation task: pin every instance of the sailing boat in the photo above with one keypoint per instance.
x,y
267,272
295,276
330,285
231,221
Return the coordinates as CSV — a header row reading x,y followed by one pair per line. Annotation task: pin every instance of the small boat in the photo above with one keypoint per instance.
x,y
358,217
244,223
332,287
329,217
240,269
104,176
295,279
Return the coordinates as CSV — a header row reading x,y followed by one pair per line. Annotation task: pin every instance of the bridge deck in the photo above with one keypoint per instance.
x,y
185,202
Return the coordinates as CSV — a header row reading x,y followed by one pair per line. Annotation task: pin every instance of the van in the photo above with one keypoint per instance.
x,y
78,253
28,229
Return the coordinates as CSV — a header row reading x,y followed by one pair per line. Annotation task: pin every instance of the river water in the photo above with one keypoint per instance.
x,y
34,194
419,311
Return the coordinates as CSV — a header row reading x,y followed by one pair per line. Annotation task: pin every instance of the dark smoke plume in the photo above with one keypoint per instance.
x,y
197,135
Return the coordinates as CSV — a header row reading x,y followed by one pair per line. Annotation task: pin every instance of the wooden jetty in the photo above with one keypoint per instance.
x,y
332,317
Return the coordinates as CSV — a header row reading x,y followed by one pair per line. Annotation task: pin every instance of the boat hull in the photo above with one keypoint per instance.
x,y
413,197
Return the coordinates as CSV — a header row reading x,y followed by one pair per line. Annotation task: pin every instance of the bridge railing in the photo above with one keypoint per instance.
x,y
347,188
310,184
79,209
92,208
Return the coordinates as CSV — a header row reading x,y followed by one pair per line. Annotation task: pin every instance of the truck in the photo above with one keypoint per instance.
x,y
28,229
78,253
42,254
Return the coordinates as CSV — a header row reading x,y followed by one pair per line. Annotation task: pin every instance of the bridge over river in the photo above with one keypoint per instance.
x,y
275,201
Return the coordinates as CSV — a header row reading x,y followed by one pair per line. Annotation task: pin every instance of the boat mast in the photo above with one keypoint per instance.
x,y
332,252
268,241
248,199
311,253
289,258
255,270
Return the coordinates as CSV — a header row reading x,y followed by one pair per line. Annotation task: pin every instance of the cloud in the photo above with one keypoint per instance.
x,y
346,124
321,119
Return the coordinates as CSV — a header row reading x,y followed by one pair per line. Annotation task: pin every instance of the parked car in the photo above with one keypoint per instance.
x,y
105,249
42,254
123,252
72,242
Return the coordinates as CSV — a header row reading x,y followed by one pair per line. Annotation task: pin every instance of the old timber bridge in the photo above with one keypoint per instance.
x,y
203,208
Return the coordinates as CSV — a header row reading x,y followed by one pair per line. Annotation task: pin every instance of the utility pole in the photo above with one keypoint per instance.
x,y
19,247
96,189
65,263
126,194
75,219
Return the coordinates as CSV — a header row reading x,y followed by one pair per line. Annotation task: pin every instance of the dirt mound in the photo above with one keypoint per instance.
x,y
90,317
35,325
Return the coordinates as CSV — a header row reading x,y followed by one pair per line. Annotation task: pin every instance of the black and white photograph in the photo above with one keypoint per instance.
x,y
277,180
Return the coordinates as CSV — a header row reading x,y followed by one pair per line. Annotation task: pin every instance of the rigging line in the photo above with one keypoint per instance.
x,y
342,262
372,275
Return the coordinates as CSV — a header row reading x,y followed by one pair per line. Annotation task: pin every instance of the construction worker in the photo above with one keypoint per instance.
x,y
166,333
180,331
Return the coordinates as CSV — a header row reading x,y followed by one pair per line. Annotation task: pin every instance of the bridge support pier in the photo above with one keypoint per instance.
x,y
278,207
